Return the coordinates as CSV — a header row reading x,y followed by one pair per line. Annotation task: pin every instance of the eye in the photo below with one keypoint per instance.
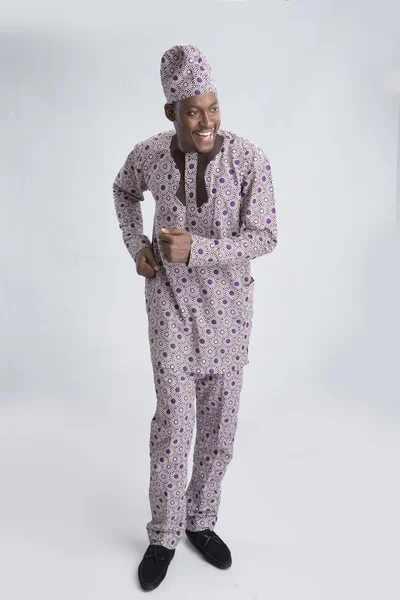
x,y
194,113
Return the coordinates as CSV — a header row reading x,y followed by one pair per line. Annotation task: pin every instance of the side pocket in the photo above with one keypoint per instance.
x,y
249,284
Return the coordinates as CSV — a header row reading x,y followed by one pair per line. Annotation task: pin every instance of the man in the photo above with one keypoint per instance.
x,y
214,213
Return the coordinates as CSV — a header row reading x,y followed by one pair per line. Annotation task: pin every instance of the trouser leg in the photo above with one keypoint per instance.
x,y
170,438
217,414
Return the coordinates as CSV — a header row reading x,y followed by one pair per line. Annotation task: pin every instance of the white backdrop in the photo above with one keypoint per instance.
x,y
310,501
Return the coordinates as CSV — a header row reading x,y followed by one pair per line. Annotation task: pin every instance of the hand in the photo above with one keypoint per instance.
x,y
146,263
175,245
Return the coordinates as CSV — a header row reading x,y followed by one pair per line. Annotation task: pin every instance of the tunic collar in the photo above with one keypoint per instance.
x,y
202,162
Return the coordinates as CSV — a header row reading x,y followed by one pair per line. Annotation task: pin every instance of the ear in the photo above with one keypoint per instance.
x,y
169,112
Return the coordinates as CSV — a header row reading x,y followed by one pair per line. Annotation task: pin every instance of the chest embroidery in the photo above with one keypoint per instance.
x,y
202,162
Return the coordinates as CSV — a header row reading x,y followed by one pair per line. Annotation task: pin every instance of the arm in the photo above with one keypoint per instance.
x,y
128,188
258,230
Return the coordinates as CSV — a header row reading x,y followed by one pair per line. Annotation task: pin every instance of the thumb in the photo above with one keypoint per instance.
x,y
164,230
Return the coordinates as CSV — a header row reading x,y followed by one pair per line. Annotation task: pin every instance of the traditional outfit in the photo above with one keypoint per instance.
x,y
199,313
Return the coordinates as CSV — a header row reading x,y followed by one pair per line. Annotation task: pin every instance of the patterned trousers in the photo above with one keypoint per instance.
x,y
212,402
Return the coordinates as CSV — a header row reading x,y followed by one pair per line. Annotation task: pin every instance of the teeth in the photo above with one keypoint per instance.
x,y
205,134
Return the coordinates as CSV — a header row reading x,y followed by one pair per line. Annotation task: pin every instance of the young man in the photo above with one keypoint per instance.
x,y
214,213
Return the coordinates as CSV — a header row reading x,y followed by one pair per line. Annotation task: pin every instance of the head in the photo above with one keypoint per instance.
x,y
193,116
191,93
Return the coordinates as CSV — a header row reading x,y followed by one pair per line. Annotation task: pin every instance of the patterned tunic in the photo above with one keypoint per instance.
x,y
200,313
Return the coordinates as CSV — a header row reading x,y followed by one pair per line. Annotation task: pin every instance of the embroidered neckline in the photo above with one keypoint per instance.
x,y
202,162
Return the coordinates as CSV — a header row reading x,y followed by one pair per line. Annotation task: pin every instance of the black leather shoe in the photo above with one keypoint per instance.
x,y
210,545
154,566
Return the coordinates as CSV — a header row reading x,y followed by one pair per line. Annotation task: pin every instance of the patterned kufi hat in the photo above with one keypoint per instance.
x,y
185,72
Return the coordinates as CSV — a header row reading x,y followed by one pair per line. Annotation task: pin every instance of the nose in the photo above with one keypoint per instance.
x,y
206,121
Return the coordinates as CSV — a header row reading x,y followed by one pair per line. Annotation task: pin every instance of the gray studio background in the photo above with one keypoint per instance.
x,y
310,500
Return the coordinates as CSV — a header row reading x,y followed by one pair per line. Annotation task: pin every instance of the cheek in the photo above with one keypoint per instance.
x,y
183,128
187,127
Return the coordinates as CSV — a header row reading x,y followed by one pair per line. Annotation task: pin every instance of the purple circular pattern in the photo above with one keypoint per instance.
x,y
175,505
188,306
189,70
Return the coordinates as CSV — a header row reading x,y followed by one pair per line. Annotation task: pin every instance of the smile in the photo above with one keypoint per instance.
x,y
206,135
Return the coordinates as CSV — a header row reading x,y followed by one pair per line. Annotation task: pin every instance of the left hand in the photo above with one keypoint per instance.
x,y
175,245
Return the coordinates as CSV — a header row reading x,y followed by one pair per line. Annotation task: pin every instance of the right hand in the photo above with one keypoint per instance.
x,y
146,264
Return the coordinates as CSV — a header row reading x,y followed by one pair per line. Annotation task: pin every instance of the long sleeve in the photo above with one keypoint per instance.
x,y
128,188
258,227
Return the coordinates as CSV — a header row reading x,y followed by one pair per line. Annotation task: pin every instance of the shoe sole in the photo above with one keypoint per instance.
x,y
209,558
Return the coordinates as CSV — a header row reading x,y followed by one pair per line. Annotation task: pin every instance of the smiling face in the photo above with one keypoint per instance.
x,y
196,121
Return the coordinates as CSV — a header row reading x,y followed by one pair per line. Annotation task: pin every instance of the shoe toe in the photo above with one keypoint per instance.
x,y
214,550
154,566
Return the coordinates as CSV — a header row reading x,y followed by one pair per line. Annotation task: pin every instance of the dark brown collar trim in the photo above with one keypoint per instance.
x,y
203,160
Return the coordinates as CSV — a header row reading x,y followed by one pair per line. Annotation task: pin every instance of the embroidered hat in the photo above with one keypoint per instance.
x,y
185,72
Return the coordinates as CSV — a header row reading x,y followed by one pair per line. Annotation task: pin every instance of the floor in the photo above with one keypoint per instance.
x,y
309,505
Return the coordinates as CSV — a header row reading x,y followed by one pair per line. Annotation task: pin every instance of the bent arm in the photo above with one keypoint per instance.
x,y
128,188
258,229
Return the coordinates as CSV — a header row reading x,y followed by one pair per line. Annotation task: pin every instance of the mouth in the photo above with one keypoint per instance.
x,y
204,136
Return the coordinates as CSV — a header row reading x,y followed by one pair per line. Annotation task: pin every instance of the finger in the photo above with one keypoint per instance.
x,y
166,252
170,232
165,237
175,231
145,267
150,258
165,248
146,270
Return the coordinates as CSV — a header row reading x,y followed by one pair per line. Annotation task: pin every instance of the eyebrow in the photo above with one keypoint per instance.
x,y
195,106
